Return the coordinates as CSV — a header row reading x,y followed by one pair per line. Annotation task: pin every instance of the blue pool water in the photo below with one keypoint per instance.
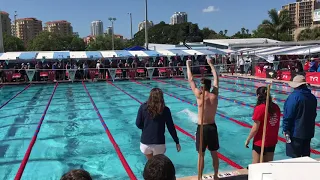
x,y
72,135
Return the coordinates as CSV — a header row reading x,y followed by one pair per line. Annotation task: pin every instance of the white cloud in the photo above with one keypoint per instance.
x,y
210,9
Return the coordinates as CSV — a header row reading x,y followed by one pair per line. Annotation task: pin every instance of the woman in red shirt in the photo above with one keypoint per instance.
x,y
272,130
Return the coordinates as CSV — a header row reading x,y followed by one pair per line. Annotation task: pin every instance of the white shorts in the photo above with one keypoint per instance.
x,y
154,149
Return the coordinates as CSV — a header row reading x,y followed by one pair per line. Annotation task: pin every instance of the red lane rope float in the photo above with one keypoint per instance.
x,y
283,84
222,115
15,96
238,102
243,92
114,143
34,138
220,97
255,86
221,156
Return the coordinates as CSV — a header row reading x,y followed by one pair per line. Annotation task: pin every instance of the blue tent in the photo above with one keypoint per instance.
x,y
135,48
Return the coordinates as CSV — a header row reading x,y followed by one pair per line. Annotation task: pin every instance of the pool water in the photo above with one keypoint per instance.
x,y
72,135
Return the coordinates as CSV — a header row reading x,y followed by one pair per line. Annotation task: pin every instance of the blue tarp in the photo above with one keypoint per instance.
x,y
93,54
28,55
135,48
61,55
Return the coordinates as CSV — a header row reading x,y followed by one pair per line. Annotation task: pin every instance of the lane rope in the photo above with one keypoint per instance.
x,y
112,140
34,138
222,115
4,104
221,156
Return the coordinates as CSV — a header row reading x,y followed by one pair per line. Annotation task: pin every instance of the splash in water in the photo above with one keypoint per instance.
x,y
192,116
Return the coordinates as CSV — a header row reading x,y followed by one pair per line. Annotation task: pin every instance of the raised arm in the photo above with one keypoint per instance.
x,y
215,76
193,86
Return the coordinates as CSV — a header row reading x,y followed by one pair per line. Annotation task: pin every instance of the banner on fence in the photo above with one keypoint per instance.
x,y
30,73
112,72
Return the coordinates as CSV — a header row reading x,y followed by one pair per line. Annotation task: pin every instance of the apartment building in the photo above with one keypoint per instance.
x,y
28,28
59,27
142,25
5,22
179,18
302,14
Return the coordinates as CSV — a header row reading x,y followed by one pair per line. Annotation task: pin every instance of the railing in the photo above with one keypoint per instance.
x,y
90,74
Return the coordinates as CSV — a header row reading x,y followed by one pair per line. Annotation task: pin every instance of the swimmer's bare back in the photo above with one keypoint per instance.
x,y
211,98
210,108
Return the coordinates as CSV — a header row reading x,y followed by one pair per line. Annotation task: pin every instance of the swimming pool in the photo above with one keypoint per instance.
x,y
81,121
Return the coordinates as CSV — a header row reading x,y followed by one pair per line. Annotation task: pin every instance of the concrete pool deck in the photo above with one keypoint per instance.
x,y
242,174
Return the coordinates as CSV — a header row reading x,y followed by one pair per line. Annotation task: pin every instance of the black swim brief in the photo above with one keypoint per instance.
x,y
266,149
210,138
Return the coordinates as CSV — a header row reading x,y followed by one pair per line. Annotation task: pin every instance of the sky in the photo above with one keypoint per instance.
x,y
215,14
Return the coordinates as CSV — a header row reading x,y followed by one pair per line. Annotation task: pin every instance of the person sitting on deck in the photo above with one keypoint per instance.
x,y
76,174
159,167
273,125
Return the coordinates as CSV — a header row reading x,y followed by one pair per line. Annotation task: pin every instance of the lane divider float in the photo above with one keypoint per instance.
x,y
221,156
34,138
15,96
114,143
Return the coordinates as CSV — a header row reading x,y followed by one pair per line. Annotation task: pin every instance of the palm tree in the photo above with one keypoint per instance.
x,y
225,32
278,24
243,30
247,31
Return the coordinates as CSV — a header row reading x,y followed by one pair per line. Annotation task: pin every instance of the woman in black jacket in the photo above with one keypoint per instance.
x,y
152,118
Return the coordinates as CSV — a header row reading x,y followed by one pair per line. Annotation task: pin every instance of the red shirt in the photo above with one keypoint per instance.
x,y
273,125
306,66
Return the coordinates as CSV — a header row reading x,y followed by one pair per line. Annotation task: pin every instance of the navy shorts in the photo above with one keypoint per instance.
x,y
298,147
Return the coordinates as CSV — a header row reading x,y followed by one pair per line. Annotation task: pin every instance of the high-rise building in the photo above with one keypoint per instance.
x,y
142,25
109,30
5,22
302,15
96,28
178,18
28,28
59,27
13,31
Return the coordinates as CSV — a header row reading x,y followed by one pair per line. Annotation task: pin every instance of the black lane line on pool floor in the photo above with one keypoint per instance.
x,y
113,142
34,138
221,156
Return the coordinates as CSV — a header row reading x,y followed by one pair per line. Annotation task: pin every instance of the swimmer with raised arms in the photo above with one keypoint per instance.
x,y
210,132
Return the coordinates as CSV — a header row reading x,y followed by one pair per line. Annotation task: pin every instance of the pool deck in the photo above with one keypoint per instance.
x,y
243,175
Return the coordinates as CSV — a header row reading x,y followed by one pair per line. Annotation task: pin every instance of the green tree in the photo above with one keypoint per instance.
x,y
105,43
242,34
163,33
12,43
47,41
278,25
309,34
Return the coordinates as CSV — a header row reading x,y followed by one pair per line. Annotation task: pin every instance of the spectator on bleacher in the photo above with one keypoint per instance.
x,y
76,174
313,65
1,73
306,66
273,124
300,112
134,64
152,118
159,167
